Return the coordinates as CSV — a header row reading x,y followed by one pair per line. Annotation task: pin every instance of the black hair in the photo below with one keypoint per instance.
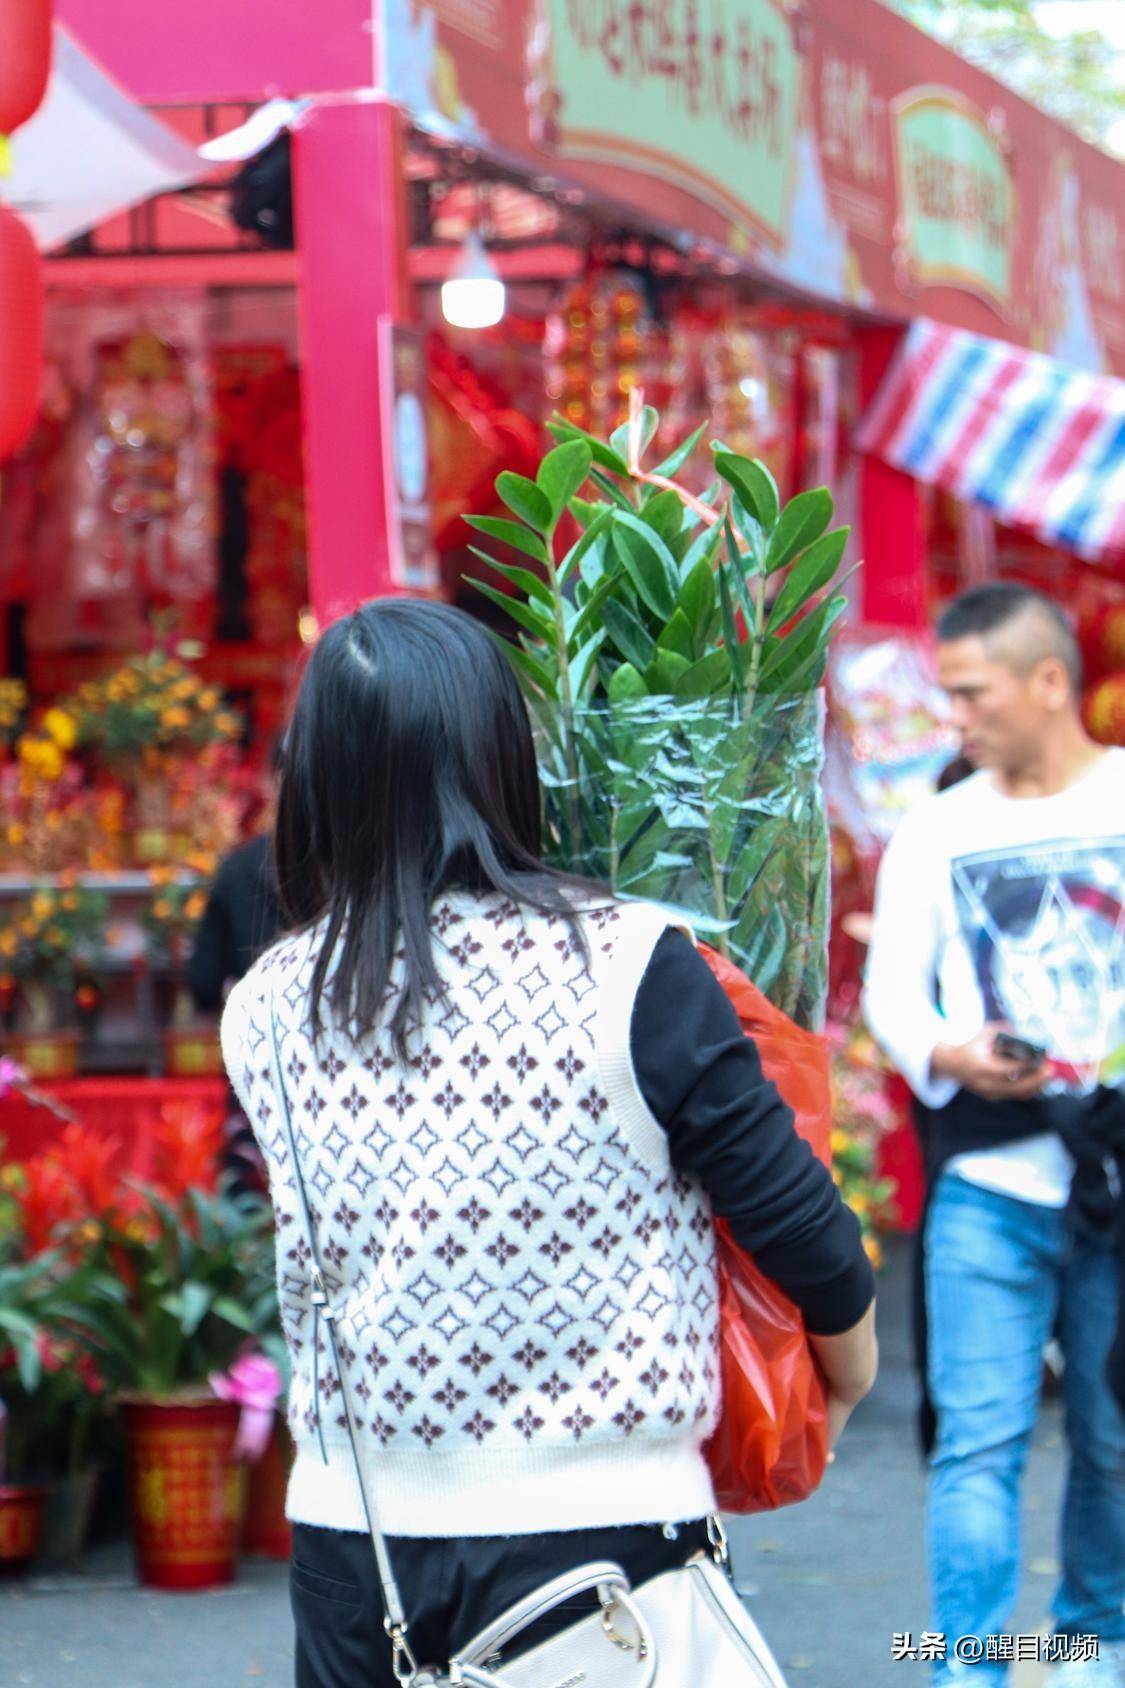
x,y
408,769
983,610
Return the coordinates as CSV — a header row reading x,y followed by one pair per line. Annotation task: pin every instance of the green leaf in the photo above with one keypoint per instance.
x,y
529,667
752,531
745,602
677,637
195,1303
704,546
510,533
664,513
234,1314
676,459
563,431
665,671
705,678
619,439
752,858
803,519
590,610
612,491
697,598
795,656
562,472
529,583
584,666
650,564
583,512
625,684
592,545
752,482
735,654
809,575
628,634
529,502
526,614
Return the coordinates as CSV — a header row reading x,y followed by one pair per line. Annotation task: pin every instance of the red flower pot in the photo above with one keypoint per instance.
x,y
185,1491
265,1529
21,1525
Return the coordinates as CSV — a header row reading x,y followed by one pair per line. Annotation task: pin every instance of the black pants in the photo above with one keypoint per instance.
x,y
450,1588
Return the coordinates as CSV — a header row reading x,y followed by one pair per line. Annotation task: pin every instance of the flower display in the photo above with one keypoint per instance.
x,y
152,701
13,704
170,919
51,931
863,1112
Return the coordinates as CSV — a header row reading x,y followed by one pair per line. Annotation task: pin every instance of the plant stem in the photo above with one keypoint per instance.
x,y
757,640
566,694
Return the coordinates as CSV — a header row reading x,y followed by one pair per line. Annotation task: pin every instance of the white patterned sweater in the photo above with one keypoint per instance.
x,y
525,1288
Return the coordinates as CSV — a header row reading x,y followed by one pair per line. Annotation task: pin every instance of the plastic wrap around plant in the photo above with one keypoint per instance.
x,y
671,653
685,804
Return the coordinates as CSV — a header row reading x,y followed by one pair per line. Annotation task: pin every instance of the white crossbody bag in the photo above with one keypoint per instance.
x,y
686,1628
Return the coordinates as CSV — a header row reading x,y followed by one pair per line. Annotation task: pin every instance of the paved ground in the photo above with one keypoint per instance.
x,y
829,1581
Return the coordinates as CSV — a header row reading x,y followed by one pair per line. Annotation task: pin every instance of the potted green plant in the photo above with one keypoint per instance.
x,y
56,930
186,1283
671,648
54,1398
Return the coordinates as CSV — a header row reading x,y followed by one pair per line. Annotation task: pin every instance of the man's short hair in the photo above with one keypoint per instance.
x,y
1005,607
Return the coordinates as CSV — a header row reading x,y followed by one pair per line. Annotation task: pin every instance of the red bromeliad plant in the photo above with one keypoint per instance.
x,y
170,1278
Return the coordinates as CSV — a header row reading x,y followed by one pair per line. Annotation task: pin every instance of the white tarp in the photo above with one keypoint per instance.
x,y
89,153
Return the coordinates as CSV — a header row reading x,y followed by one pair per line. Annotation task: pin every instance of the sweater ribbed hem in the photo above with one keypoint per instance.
x,y
507,1492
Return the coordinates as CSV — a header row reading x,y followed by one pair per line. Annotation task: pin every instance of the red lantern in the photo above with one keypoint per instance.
x,y
21,333
25,59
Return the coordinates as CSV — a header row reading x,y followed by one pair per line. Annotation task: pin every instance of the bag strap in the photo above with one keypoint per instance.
x,y
404,1664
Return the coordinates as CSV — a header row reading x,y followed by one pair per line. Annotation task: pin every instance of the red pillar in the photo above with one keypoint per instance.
x,y
891,515
349,190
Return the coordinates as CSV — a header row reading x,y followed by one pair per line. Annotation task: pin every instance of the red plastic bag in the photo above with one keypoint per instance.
x,y
771,1444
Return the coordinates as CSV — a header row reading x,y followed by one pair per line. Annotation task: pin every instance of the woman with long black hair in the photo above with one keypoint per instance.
x,y
515,1103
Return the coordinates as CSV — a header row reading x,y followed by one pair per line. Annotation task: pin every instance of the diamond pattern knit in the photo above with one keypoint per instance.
x,y
525,1288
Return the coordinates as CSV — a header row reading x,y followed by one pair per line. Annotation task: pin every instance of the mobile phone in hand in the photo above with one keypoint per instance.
x,y
1014,1048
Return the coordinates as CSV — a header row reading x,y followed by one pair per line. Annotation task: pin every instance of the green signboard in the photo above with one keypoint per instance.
x,y
706,101
955,195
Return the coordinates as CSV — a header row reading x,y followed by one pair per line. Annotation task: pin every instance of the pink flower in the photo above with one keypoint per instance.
x,y
12,1075
254,1382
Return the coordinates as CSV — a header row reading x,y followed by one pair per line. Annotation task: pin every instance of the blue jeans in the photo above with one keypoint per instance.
x,y
1001,1275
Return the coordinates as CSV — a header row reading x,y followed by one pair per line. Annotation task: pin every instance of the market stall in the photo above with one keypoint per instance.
x,y
246,428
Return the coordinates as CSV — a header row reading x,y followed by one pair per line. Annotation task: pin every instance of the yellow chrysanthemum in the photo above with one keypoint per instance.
x,y
61,728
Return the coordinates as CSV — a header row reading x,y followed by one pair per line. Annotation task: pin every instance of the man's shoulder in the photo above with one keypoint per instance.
x,y
935,817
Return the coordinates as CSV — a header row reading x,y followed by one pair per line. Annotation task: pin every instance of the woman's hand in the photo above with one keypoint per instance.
x,y
849,1362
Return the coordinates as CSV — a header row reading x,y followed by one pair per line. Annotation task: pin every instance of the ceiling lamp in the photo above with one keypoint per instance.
x,y
473,297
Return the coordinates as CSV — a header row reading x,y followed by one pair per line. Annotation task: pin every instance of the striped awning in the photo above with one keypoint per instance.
x,y
1039,443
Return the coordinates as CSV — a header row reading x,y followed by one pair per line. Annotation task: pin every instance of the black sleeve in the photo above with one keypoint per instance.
x,y
212,960
702,1079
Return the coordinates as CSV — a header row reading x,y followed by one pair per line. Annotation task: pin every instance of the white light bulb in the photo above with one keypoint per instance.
x,y
473,297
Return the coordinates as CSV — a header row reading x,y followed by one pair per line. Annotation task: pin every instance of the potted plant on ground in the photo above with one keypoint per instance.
x,y
43,943
671,648
54,1397
197,1276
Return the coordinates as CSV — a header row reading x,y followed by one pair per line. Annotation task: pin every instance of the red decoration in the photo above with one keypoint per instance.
x,y
25,59
1101,634
1104,710
21,327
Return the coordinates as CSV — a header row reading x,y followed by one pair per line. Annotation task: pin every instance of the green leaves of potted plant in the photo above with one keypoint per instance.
x,y
184,1284
670,647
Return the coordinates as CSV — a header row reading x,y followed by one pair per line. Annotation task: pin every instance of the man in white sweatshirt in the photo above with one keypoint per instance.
x,y
1001,912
